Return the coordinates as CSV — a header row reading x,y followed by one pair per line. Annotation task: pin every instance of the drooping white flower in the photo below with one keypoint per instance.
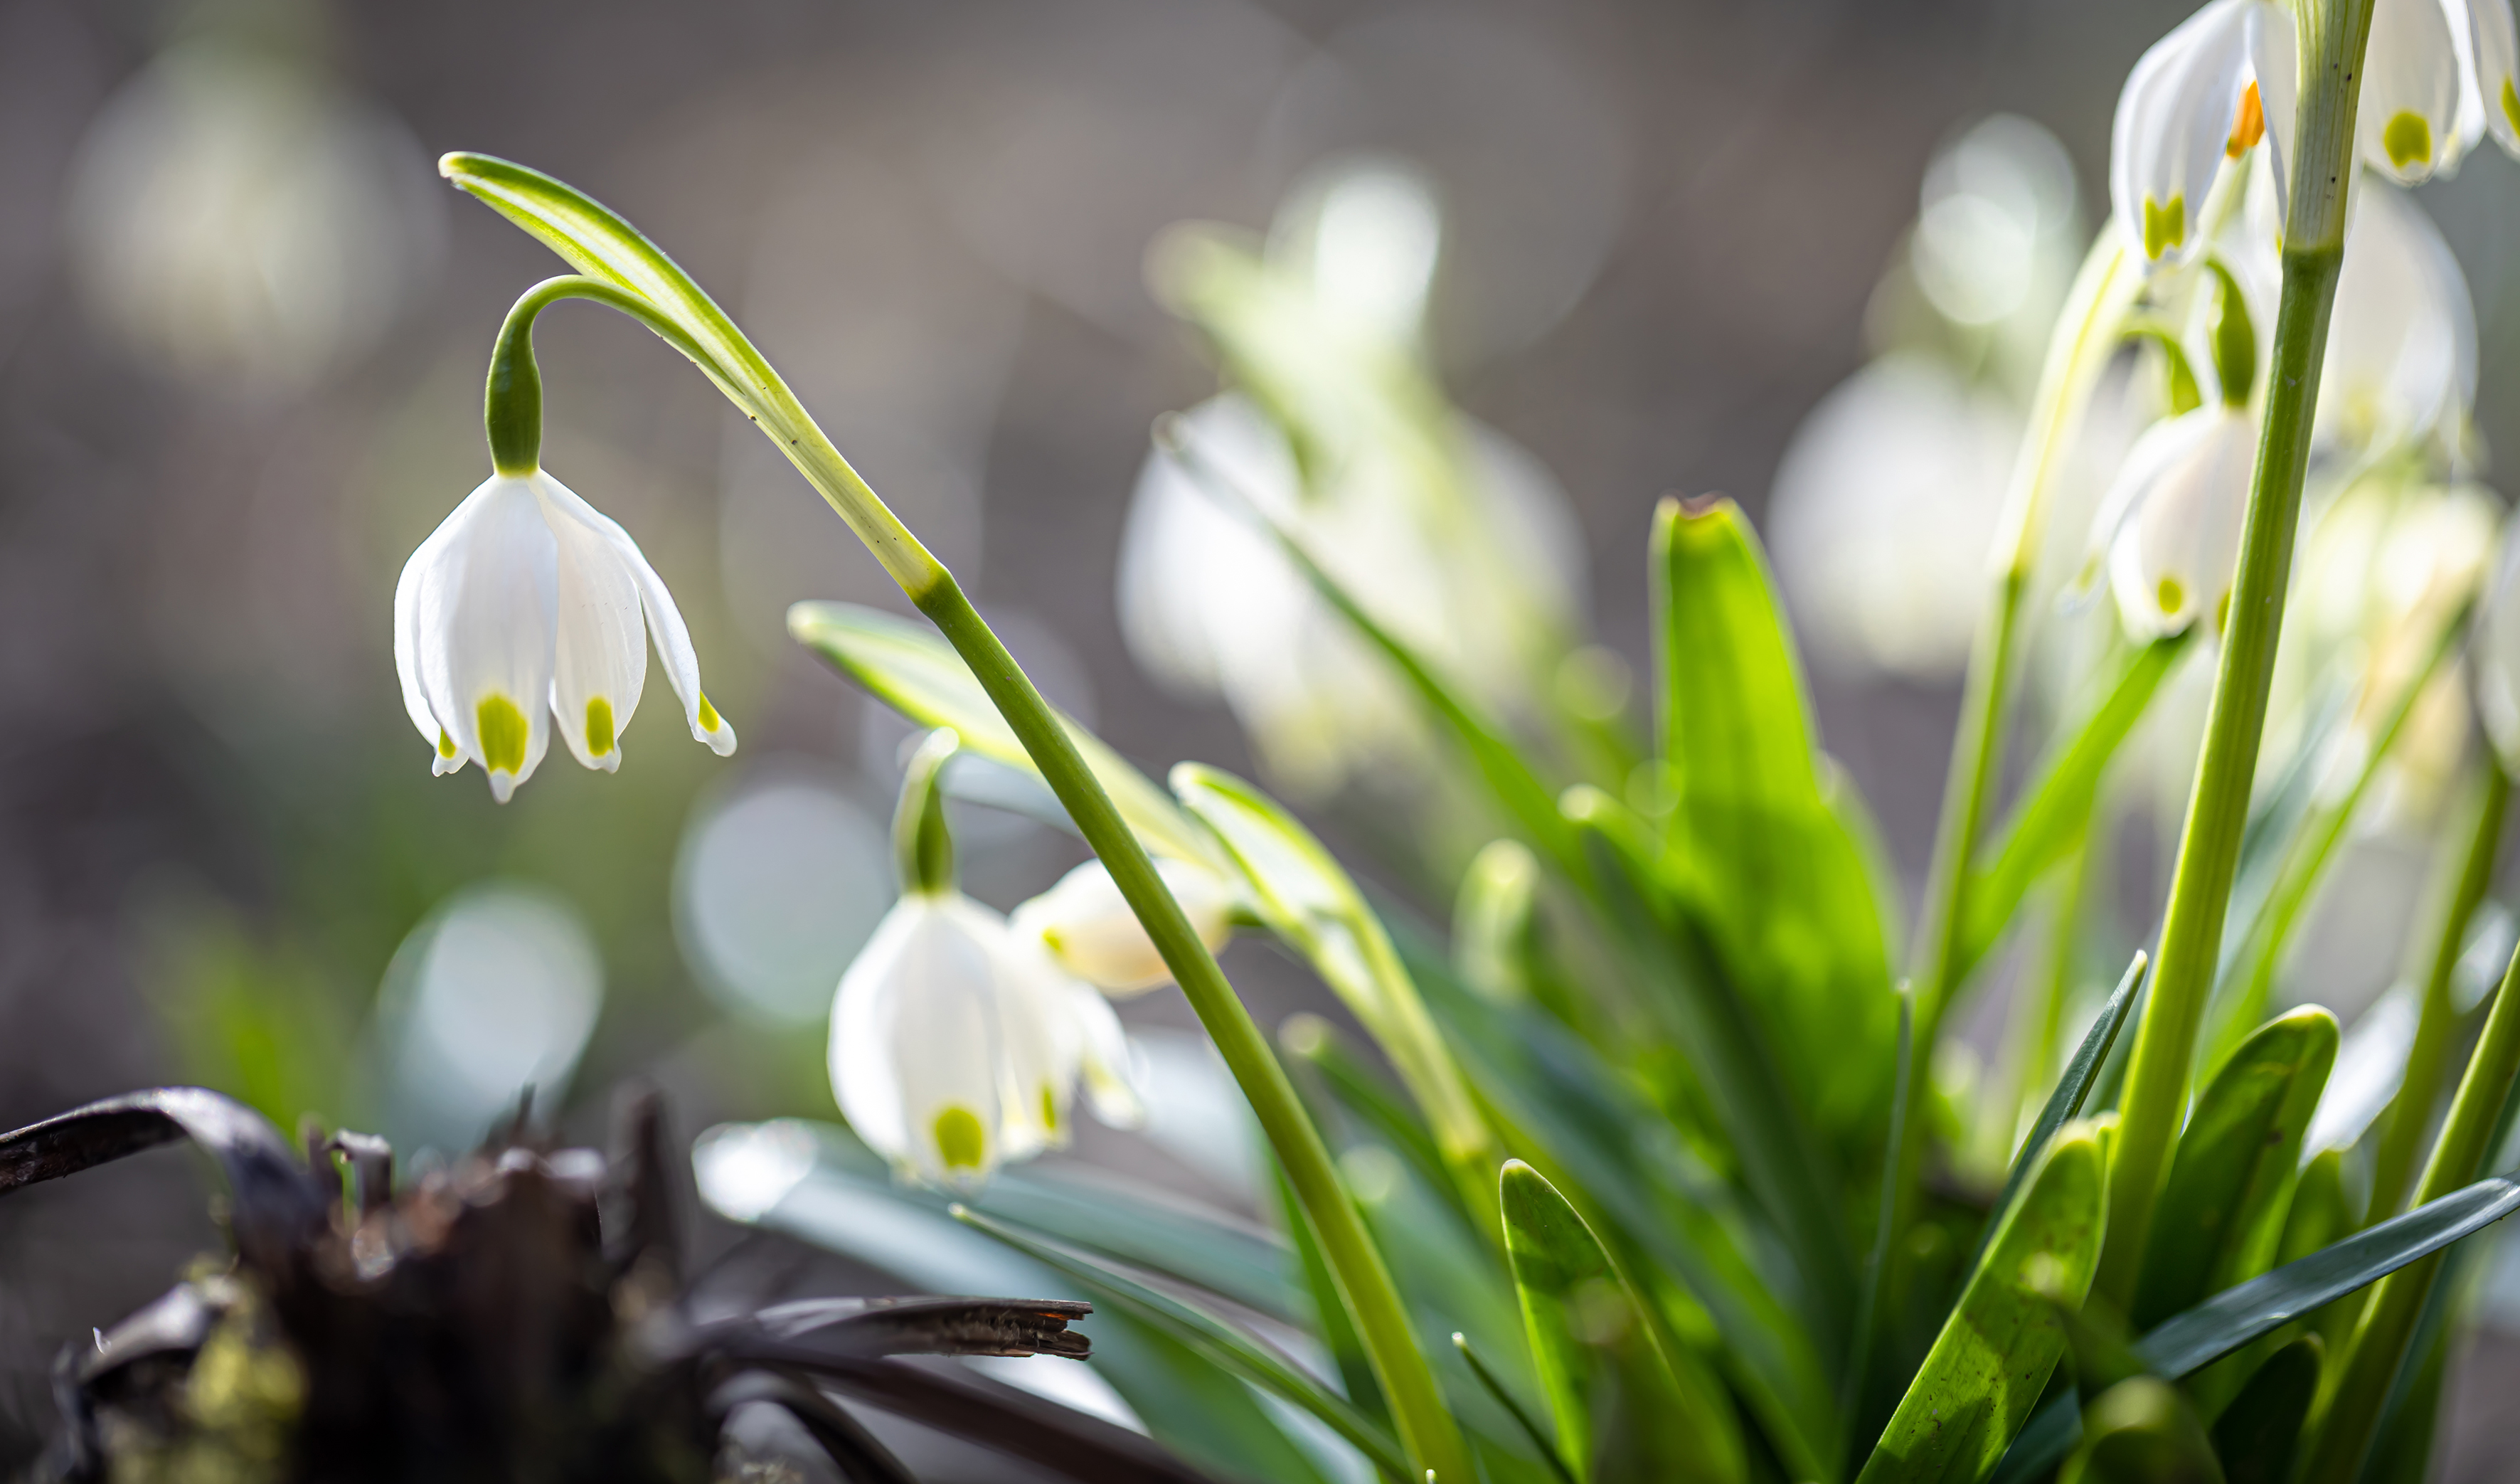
x,y
956,1044
2401,363
2194,99
2406,122
526,607
2172,525
1086,927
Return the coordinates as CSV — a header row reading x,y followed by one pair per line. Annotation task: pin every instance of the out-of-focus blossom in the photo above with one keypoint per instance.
x,y
1086,927
2401,363
2170,525
956,1043
1883,507
244,224
1889,493
1447,533
2498,655
526,606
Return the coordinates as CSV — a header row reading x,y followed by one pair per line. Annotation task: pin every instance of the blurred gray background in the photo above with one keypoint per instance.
x,y
242,328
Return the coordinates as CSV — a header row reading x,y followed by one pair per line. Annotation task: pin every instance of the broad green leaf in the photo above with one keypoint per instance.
x,y
1988,1365
2256,1435
1208,1333
2056,807
1588,1129
1621,1409
2066,1103
819,1186
2142,1431
909,667
2237,1315
1309,900
2220,1218
1780,1160
1780,881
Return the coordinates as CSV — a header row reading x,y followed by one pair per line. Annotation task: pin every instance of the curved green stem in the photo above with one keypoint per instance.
x,y
661,295
512,407
2209,849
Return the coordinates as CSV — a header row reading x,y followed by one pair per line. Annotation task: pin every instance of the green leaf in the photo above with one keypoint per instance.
x,y
1779,878
2142,1431
1208,1333
2002,1340
1621,1409
2057,808
2066,1103
1308,899
2237,1315
2256,1433
2220,1218
905,665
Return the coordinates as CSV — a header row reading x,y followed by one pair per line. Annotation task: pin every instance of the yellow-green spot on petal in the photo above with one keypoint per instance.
x,y
1048,1111
2511,103
960,1139
2164,226
2408,139
599,727
445,744
2169,594
709,719
2222,613
502,734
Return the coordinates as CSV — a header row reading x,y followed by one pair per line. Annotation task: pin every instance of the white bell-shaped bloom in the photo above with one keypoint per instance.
x,y
2190,102
958,1044
526,607
2401,362
1086,927
2497,64
2408,123
2172,524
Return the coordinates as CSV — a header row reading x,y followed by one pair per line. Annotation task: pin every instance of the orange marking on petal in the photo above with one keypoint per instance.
x,y
2248,126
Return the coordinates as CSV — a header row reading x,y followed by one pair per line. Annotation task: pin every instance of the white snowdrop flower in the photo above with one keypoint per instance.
x,y
2401,361
1088,928
2408,123
2172,524
956,1044
2191,101
526,607
2497,62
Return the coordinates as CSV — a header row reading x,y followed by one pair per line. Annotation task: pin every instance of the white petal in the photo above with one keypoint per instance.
x,y
2497,70
1041,1049
915,1045
424,572
2402,344
1089,929
2173,120
2172,560
483,619
664,621
600,663
2275,62
1110,1071
2408,123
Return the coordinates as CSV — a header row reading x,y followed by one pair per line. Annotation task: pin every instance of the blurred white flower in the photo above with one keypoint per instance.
x,y
1088,928
956,1043
2401,364
2170,525
243,224
2497,655
1883,507
1211,607
525,606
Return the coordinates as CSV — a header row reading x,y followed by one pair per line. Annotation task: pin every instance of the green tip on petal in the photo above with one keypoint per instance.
x,y
2409,140
2511,103
960,1141
710,721
2169,594
1048,1111
2164,226
502,734
599,727
445,744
